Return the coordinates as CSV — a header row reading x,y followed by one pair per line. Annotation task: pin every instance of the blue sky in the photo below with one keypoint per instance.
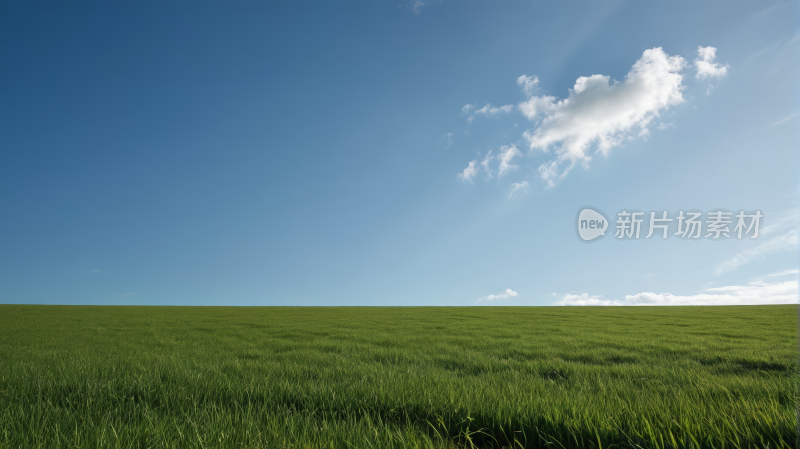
x,y
332,153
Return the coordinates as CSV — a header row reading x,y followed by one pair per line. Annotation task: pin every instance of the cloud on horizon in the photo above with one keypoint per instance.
x,y
757,292
503,295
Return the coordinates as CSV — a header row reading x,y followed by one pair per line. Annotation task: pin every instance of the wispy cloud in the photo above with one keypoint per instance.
x,y
485,164
518,186
777,55
417,5
786,240
790,219
447,140
754,293
600,111
790,272
505,157
503,295
769,10
489,111
785,119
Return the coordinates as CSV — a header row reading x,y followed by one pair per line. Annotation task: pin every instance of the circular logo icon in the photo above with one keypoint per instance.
x,y
591,224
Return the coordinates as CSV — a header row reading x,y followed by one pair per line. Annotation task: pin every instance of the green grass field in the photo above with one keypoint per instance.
x,y
655,377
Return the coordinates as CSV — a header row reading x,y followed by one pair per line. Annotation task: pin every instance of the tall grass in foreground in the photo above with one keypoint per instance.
x,y
652,377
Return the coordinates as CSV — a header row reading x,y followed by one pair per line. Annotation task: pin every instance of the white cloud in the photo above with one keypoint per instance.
x,y
706,67
754,293
489,110
503,295
663,126
586,300
528,83
518,186
467,107
469,172
507,153
599,110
